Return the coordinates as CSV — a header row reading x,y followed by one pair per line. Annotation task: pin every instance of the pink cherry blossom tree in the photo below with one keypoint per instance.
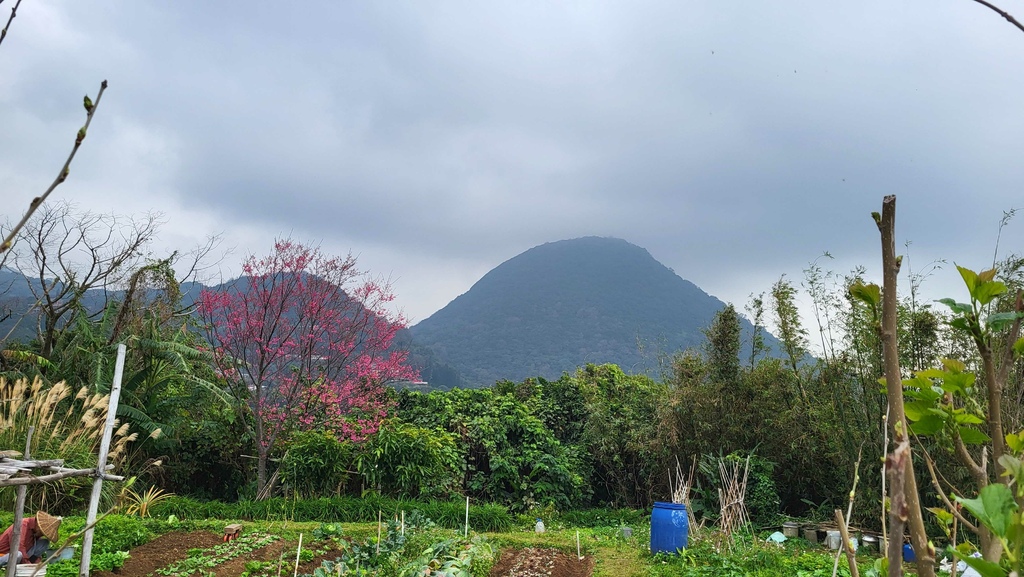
x,y
304,341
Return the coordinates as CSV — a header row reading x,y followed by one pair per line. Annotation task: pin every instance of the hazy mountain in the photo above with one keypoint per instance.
x,y
563,304
549,310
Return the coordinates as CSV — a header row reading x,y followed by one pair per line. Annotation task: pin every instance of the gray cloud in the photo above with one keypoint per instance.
x,y
735,141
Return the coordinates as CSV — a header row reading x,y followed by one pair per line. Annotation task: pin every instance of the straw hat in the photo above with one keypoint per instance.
x,y
49,525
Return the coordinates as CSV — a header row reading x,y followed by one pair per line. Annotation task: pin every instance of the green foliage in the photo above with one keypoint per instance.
x,y
327,531
761,497
621,425
944,400
482,517
420,549
108,561
723,346
509,455
315,463
601,518
206,560
402,459
744,557
997,507
121,533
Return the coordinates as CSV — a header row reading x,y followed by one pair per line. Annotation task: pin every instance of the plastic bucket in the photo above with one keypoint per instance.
x,y
833,539
670,527
908,553
26,570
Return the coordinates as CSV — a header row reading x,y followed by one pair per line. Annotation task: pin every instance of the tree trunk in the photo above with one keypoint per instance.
x,y
261,468
894,387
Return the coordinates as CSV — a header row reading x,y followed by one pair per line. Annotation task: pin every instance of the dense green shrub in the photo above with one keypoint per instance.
x,y
402,459
315,464
510,456
604,517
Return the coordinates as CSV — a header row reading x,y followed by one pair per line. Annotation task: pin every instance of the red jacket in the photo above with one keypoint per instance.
x,y
27,538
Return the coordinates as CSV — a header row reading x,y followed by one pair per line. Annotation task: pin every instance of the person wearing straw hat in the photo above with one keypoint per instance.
x,y
36,534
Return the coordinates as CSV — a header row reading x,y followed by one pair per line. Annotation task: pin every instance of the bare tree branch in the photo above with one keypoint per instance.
x,y
90,108
1002,13
66,253
14,12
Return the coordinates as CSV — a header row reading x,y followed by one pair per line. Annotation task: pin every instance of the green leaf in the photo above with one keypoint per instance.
x,y
944,516
928,425
985,568
970,278
958,382
957,308
1018,347
954,366
987,275
932,374
1015,441
998,322
962,417
985,293
993,507
1012,465
917,410
973,436
870,294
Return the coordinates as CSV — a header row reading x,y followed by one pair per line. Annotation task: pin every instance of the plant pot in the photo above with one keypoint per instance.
x,y
791,529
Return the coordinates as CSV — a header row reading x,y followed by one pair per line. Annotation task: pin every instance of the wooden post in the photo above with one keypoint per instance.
x,y
101,465
19,513
851,556
910,512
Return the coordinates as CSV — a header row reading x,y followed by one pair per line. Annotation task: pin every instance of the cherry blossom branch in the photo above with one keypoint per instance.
x,y
90,108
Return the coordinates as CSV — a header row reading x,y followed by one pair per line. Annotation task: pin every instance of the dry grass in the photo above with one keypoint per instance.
x,y
66,426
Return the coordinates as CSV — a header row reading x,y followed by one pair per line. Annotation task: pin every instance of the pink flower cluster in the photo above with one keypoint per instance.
x,y
305,341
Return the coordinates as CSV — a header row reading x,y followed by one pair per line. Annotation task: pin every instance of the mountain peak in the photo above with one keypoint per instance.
x,y
563,304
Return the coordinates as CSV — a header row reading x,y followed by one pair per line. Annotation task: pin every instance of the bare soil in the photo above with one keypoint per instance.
x,y
534,562
167,549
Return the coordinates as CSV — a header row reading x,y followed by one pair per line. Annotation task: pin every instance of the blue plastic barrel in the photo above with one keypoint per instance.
x,y
670,527
908,553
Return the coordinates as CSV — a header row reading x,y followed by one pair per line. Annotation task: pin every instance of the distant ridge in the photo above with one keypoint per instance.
x,y
563,304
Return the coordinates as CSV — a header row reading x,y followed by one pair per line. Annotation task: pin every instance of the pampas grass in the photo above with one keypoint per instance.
x,y
68,425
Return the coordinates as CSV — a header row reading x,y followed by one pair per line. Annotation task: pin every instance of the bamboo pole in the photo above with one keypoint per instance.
x,y
849,508
19,514
851,556
101,466
298,554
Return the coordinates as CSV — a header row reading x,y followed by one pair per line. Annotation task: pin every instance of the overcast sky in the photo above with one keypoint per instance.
x,y
736,141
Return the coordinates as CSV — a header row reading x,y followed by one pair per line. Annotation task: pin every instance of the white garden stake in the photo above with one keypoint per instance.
x,y
298,553
378,531
403,523
466,532
578,546
101,464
